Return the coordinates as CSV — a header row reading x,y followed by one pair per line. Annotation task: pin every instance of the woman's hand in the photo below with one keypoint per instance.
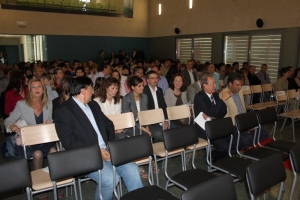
x,y
14,128
48,122
147,131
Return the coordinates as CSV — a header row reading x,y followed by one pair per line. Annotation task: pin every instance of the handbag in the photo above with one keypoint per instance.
x,y
8,147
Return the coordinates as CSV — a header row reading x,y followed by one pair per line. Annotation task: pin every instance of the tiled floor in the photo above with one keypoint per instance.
x,y
175,166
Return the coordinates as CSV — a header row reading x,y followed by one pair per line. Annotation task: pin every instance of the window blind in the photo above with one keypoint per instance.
x,y
265,49
236,48
184,49
202,49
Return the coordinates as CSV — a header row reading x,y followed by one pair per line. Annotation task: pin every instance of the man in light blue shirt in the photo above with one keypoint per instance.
x,y
79,122
162,82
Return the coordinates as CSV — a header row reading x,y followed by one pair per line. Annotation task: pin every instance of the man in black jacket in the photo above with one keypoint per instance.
x,y
79,122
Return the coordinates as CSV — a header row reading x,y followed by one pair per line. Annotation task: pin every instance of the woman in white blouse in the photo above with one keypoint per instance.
x,y
108,97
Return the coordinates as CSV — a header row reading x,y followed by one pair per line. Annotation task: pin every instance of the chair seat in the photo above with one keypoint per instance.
x,y
149,193
201,143
281,145
142,161
41,180
291,114
260,152
159,149
234,165
259,106
271,104
192,177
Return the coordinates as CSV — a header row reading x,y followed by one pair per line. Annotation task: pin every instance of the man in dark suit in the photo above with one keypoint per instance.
x,y
189,74
80,122
209,102
155,94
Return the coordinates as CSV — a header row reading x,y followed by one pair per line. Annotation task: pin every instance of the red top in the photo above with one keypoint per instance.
x,y
11,99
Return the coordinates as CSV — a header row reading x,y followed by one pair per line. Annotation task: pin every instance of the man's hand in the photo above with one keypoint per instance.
x,y
119,131
226,95
105,154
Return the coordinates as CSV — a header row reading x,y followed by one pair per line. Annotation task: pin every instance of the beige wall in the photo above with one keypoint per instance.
x,y
72,24
210,16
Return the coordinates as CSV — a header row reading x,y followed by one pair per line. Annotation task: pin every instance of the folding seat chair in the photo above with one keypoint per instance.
x,y
245,122
128,150
179,138
295,161
249,90
268,116
39,134
268,88
182,112
72,163
293,114
207,190
153,117
236,166
281,100
15,175
264,174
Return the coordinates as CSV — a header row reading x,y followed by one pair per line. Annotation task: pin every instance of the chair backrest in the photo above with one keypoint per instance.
x,y
121,121
14,175
281,96
295,158
267,87
74,162
265,173
219,128
178,112
130,149
292,94
149,117
256,89
246,90
176,138
246,121
38,134
207,190
267,116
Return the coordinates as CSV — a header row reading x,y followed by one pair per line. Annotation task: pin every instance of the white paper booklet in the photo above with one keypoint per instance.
x,y
201,121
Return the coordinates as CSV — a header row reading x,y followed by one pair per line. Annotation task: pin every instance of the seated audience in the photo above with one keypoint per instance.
x,y
162,83
49,83
262,75
137,71
282,83
189,74
16,90
79,71
194,88
104,73
117,75
63,93
176,94
135,102
98,129
58,74
108,98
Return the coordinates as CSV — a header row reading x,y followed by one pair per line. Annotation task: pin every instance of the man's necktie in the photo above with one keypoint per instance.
x,y
212,100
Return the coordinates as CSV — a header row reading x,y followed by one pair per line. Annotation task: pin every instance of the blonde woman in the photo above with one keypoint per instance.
x,y
48,80
35,109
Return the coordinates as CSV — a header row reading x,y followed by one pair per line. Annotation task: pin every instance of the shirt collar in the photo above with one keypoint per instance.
x,y
155,89
79,103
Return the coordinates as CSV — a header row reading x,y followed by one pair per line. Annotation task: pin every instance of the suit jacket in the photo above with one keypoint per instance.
x,y
129,105
26,113
232,110
203,104
187,77
192,90
75,130
160,99
253,79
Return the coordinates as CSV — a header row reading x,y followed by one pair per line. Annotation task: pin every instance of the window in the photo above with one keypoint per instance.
x,y
236,49
198,48
265,49
257,49
36,48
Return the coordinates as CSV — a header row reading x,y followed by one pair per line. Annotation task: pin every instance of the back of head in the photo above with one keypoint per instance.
x,y
79,83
